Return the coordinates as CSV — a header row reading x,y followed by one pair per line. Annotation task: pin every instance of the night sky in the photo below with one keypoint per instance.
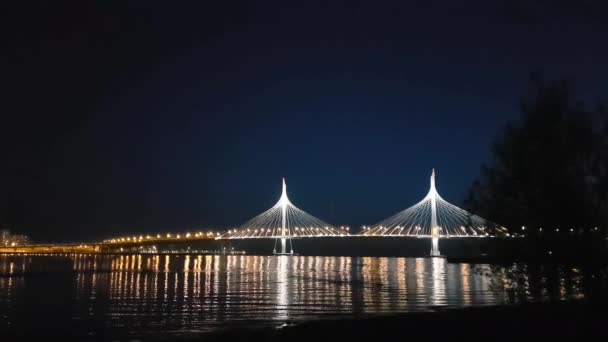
x,y
144,116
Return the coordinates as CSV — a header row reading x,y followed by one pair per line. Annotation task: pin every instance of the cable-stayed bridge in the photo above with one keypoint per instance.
x,y
432,217
283,222
436,218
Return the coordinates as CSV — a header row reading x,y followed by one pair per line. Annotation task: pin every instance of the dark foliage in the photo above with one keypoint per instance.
x,y
551,168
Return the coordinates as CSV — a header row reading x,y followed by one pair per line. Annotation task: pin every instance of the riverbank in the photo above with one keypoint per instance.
x,y
585,319
548,321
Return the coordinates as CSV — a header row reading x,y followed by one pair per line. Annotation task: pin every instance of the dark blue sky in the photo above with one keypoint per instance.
x,y
149,116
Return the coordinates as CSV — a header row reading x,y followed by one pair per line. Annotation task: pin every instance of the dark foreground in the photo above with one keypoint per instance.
x,y
581,320
547,321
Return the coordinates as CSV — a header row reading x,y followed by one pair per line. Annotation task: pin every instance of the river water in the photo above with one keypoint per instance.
x,y
141,295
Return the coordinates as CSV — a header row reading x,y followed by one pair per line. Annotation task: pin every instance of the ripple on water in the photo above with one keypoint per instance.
x,y
198,293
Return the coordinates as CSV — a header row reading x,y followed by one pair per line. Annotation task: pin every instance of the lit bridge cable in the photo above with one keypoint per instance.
x,y
283,222
436,218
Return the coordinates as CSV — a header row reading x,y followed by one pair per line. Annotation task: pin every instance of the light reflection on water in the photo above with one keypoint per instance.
x,y
201,292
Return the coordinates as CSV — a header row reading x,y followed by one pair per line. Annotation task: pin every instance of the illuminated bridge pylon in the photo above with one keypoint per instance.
x,y
283,222
433,217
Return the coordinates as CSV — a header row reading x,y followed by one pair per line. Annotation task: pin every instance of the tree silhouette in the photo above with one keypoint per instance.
x,y
550,169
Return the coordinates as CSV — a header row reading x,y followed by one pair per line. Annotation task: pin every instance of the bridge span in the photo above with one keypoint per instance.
x,y
53,249
432,218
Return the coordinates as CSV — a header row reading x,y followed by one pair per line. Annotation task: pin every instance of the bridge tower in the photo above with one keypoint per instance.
x,y
285,233
436,218
282,223
434,227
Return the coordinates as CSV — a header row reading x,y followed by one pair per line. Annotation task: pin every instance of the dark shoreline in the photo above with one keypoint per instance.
x,y
552,320
497,323
583,320
558,320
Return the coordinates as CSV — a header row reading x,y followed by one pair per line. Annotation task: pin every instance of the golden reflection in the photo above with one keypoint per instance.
x,y
281,281
94,284
420,275
197,276
438,296
144,293
206,289
381,277
175,276
186,290
208,259
156,262
137,280
9,288
465,274
401,272
216,263
119,284
199,262
155,284
166,282
187,263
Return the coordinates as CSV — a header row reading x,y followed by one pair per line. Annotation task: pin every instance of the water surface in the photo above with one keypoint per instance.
x,y
140,295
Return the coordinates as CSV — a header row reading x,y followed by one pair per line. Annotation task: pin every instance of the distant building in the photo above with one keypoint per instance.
x,y
8,239
19,240
5,237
